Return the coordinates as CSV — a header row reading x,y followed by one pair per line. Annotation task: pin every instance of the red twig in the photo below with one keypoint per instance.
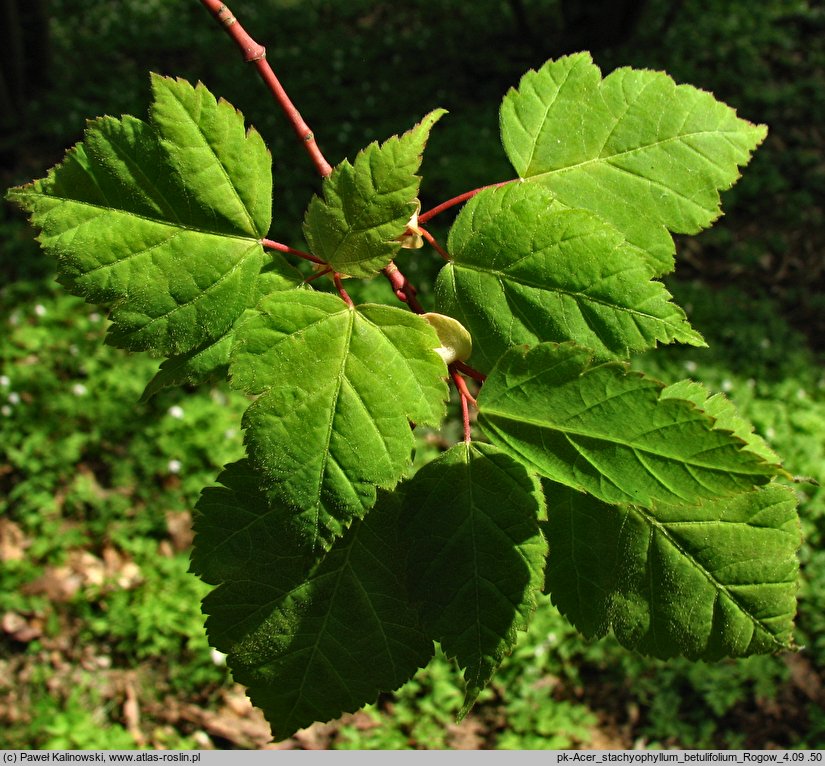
x,y
255,53
404,291
424,217
434,243
341,291
281,248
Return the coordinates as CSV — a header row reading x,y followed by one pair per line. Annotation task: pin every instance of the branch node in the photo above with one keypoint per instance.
x,y
224,15
255,54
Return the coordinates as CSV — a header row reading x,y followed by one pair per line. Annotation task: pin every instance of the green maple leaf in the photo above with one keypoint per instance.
x,y
725,415
644,153
476,555
366,205
611,432
524,270
339,387
311,639
161,220
705,581
210,360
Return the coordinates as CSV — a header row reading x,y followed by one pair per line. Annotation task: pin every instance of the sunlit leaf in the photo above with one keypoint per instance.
x,y
339,387
644,153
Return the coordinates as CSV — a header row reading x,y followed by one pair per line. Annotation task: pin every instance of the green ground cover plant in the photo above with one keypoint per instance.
x,y
519,213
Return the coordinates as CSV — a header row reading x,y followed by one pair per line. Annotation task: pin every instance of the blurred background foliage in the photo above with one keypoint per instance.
x,y
101,637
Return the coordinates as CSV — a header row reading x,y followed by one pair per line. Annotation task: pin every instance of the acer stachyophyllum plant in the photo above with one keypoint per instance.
x,y
653,511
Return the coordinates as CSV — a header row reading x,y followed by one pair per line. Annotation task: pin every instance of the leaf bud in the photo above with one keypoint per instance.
x,y
411,238
456,343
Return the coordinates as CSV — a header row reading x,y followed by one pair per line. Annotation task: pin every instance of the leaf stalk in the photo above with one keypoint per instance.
x,y
339,285
281,248
433,242
466,399
433,212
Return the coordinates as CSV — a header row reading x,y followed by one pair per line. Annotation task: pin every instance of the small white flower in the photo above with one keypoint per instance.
x,y
769,433
5,410
176,411
229,433
40,310
94,317
174,466
4,381
691,366
218,658
14,398
727,385
78,389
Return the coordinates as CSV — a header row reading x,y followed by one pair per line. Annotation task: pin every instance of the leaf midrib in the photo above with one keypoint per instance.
x,y
607,159
320,633
141,217
653,523
357,226
476,574
584,297
339,382
486,412
208,144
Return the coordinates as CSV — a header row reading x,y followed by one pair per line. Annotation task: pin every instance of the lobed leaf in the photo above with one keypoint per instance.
x,y
161,220
310,640
704,581
476,555
525,271
366,205
608,431
644,153
339,387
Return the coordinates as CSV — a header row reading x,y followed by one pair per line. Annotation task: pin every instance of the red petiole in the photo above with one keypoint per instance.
x,y
466,400
433,212
281,248
339,285
434,243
